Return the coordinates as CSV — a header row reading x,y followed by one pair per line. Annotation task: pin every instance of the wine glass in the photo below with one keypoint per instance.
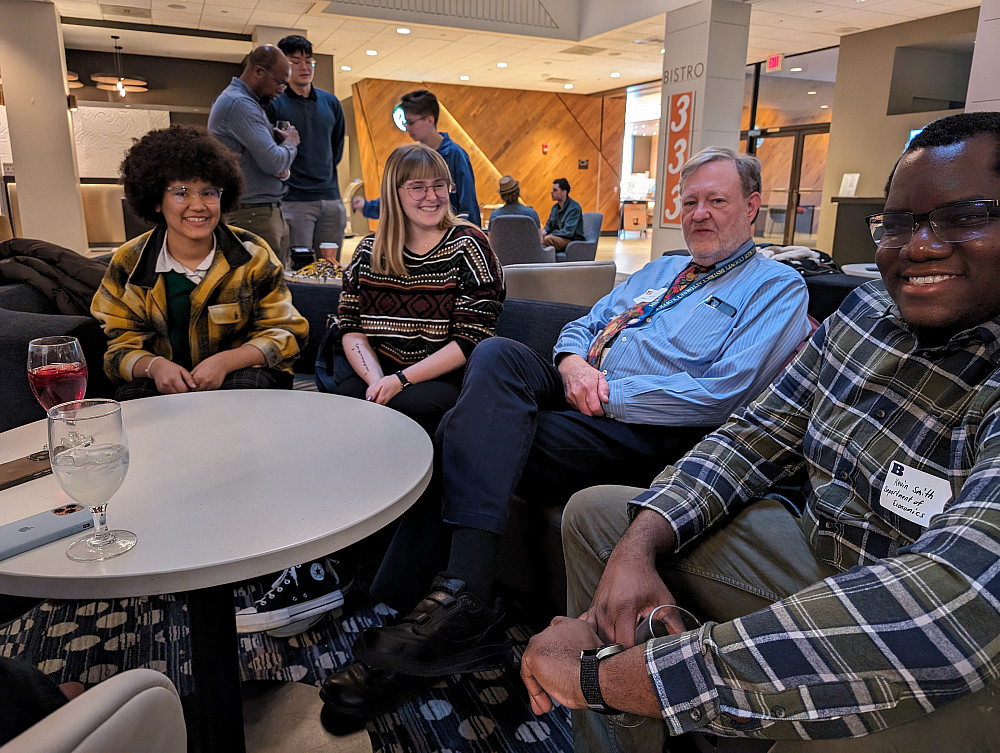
x,y
57,370
88,450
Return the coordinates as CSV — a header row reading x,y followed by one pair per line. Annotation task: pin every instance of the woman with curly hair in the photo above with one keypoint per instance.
x,y
193,304
418,294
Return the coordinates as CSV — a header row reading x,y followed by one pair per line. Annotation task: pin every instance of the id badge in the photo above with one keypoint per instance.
x,y
914,495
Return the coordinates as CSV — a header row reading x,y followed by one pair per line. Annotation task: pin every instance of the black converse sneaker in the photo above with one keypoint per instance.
x,y
296,601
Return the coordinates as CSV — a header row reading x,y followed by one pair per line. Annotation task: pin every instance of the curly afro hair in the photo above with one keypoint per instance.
x,y
179,152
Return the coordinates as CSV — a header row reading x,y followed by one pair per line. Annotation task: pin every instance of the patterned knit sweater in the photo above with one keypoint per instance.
x,y
454,292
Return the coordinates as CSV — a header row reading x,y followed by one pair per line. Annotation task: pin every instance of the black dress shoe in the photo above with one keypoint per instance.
x,y
363,692
449,632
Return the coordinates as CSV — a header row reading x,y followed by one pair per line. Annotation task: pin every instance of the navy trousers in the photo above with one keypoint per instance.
x,y
512,431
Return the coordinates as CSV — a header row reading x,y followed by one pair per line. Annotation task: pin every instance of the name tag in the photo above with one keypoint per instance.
x,y
913,494
649,295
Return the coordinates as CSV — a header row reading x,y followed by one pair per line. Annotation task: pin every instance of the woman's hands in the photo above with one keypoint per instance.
x,y
384,389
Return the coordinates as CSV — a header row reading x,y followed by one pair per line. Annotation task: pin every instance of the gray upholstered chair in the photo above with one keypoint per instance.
x,y
585,250
580,282
514,239
135,710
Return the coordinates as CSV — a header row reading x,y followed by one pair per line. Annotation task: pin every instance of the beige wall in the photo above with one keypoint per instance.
x,y
863,139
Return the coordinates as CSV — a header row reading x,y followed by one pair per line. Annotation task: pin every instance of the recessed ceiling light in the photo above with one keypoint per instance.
x,y
810,92
824,107
463,78
662,50
402,30
345,67
372,53
567,86
616,74
501,65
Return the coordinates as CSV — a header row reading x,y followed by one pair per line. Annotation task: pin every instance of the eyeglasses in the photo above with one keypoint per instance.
x,y
184,195
303,61
274,78
953,223
418,191
409,122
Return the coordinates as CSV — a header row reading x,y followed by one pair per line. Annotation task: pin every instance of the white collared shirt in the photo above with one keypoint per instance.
x,y
167,263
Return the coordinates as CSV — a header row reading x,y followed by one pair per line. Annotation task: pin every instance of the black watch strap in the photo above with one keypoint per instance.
x,y
402,379
590,662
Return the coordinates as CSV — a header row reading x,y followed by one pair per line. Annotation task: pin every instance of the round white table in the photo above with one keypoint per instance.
x,y
222,487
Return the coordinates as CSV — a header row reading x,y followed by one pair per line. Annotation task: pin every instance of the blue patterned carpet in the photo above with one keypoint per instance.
x,y
91,641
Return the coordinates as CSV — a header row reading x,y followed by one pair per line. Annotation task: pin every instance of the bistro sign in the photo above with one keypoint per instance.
x,y
683,73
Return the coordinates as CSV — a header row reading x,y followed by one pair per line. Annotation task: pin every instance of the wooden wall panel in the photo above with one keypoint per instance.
x,y
503,131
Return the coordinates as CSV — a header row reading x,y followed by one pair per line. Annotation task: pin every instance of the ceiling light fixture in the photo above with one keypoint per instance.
x,y
616,74
810,92
402,30
371,53
118,81
663,50
501,65
567,86
345,68
824,107
796,69
463,78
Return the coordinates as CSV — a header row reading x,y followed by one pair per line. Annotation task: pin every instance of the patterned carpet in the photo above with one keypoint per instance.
x,y
91,641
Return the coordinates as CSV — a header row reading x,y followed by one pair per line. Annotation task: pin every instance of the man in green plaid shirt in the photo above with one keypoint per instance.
x,y
872,620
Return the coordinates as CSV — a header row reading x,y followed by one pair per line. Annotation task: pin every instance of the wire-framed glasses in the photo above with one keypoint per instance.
x,y
418,191
185,195
952,223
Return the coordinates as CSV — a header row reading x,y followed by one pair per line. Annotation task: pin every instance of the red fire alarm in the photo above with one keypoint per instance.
x,y
545,148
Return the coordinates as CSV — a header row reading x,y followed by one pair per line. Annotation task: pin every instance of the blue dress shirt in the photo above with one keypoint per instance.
x,y
695,363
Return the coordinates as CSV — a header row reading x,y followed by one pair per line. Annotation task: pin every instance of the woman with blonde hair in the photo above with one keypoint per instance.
x,y
418,294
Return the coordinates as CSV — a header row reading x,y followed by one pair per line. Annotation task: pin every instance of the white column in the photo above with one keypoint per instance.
x,y
702,99
984,86
33,66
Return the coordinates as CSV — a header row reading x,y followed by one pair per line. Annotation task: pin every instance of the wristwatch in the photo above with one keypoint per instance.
x,y
590,660
403,381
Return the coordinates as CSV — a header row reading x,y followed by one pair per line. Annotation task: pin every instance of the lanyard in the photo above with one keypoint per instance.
x,y
716,274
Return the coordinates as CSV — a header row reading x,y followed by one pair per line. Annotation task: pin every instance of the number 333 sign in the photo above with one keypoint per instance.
x,y
676,152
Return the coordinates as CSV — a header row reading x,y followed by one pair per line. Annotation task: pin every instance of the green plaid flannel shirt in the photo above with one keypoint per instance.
x,y
913,620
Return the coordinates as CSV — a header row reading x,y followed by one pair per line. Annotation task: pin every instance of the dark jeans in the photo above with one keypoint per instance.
x,y
512,431
27,695
250,378
424,402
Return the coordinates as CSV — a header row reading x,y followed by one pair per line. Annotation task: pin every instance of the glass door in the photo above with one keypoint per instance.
x,y
793,161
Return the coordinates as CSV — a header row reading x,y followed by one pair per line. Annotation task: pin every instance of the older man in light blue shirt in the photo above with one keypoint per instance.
x,y
631,386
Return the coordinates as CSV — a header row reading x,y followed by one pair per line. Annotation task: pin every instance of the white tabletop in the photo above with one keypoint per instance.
x,y
225,486
862,270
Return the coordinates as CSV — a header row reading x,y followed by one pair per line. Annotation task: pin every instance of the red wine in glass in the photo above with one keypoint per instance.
x,y
57,370
58,383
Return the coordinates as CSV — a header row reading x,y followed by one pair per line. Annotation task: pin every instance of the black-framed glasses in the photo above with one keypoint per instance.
x,y
952,223
418,191
274,78
415,120
184,195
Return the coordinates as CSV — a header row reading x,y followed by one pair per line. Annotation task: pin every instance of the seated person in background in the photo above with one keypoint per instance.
x,y
565,221
655,364
510,192
420,112
419,294
193,304
882,603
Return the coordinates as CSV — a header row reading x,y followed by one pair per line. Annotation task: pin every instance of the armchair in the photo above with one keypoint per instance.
x,y
514,239
585,250
135,710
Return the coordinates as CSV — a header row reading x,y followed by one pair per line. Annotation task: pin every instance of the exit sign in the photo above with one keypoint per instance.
x,y
773,63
